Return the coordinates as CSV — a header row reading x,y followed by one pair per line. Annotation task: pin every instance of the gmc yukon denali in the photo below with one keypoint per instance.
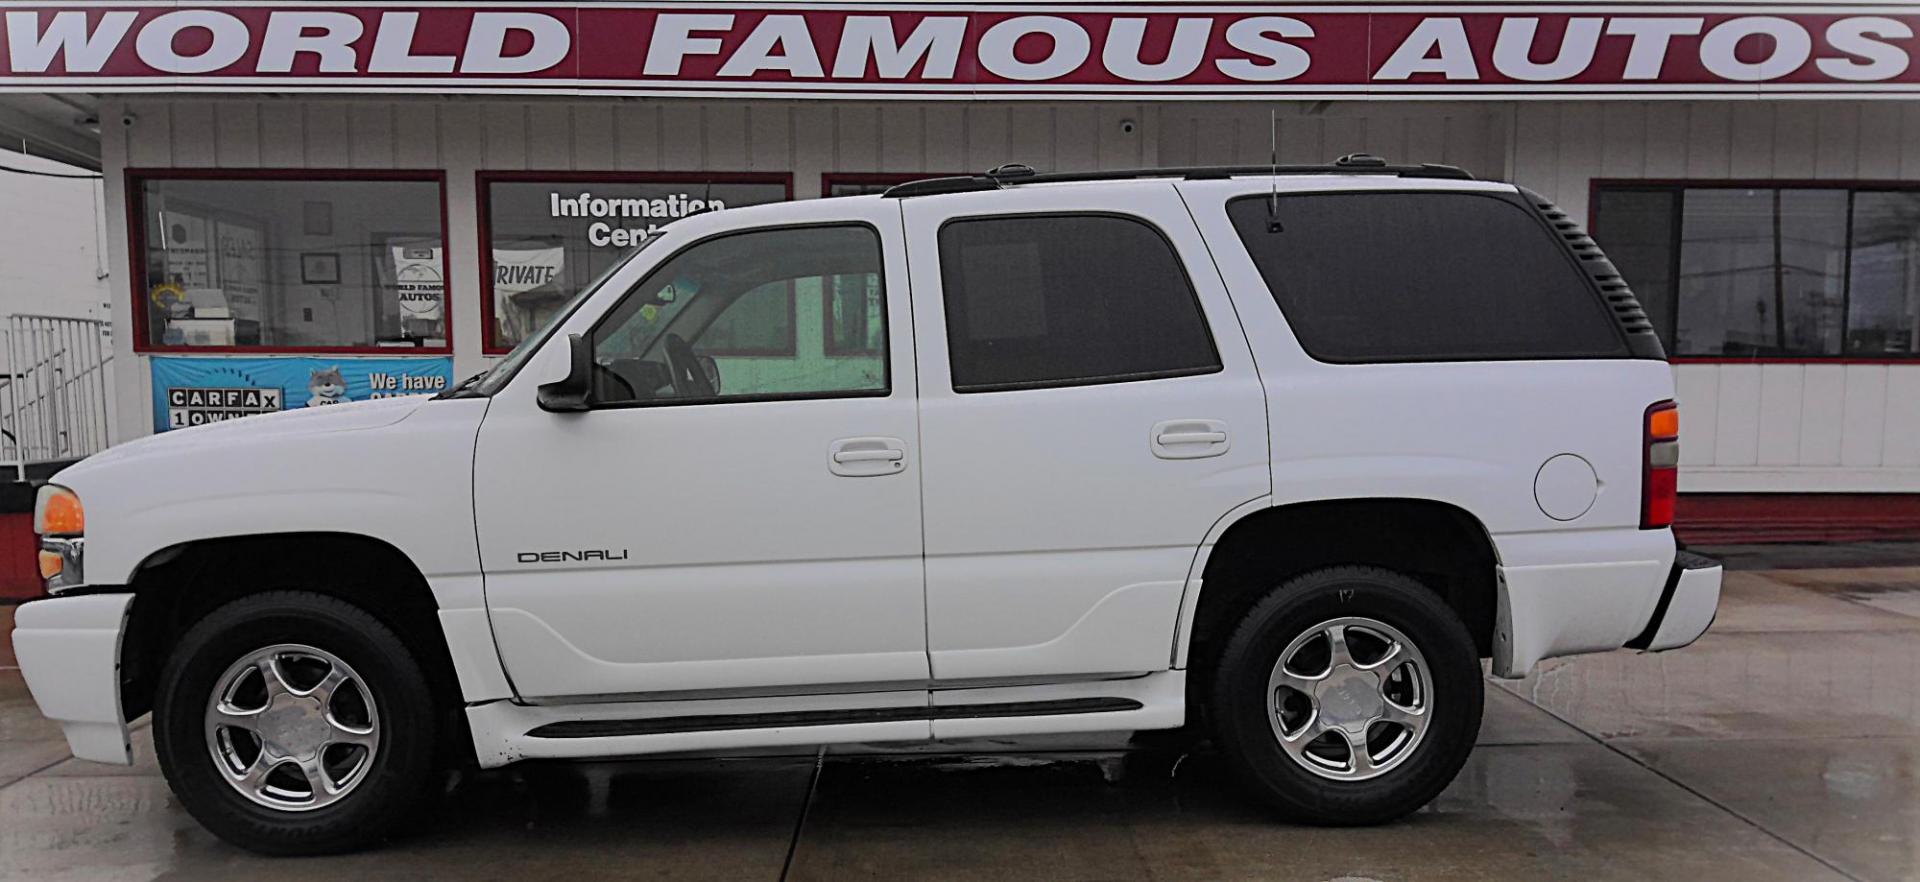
x,y
1278,454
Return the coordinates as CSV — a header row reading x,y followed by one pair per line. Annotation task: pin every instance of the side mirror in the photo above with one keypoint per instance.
x,y
569,394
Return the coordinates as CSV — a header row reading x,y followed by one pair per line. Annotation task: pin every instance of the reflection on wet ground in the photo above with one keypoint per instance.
x,y
1781,746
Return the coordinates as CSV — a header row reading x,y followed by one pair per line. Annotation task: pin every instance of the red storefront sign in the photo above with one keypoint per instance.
x,y
1062,51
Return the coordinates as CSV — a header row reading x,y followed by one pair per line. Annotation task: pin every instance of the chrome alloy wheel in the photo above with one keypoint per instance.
x,y
292,727
1350,698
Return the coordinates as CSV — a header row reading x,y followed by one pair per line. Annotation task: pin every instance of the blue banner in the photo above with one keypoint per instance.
x,y
196,391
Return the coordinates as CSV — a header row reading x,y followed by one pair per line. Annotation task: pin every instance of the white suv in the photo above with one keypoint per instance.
x,y
1283,453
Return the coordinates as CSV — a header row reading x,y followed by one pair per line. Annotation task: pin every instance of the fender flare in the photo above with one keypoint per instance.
x,y
1190,597
464,626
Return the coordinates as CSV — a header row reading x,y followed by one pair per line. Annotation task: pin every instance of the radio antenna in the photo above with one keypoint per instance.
x,y
1273,170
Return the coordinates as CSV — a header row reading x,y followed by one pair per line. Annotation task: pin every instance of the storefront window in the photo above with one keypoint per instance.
x,y
1783,272
549,236
1883,309
285,264
1640,227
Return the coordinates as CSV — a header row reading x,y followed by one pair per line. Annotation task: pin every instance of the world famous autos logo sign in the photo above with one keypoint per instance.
x,y
961,50
419,288
189,391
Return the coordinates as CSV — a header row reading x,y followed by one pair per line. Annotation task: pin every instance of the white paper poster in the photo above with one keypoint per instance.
x,y
420,287
524,269
184,241
243,268
515,272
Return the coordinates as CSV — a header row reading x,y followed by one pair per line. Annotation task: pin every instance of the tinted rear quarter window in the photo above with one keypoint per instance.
x,y
1395,277
1056,300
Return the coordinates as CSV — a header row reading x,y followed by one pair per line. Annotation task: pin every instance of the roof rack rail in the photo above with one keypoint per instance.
x,y
1014,175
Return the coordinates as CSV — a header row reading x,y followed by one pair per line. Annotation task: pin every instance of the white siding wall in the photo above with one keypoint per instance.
x,y
52,260
1472,136
1787,427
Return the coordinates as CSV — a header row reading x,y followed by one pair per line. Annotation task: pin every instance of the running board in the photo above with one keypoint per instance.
x,y
731,722
505,732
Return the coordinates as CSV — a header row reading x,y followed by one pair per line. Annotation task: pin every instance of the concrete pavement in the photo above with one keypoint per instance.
x,y
1781,746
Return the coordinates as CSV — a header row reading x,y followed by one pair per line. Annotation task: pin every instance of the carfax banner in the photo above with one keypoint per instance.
x,y
191,391
954,50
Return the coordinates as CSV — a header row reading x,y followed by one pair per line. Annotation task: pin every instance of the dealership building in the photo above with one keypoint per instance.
x,y
314,203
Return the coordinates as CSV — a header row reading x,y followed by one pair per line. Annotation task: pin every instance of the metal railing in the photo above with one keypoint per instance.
x,y
54,396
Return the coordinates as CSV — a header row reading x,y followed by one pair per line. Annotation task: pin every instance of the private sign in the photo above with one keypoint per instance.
x,y
844,50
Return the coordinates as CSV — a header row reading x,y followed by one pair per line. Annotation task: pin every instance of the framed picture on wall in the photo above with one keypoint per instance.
x,y
320,268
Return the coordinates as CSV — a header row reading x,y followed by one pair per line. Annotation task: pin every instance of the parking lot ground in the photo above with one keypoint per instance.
x,y
1781,746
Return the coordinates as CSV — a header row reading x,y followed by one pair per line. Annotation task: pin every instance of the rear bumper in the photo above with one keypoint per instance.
x,y
1688,603
69,650
1557,609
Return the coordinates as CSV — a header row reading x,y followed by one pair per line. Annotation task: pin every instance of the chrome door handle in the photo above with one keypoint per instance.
x,y
1192,437
867,457
847,456
1189,439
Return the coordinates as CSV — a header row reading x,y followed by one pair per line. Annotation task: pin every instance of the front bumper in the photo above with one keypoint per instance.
x,y
69,650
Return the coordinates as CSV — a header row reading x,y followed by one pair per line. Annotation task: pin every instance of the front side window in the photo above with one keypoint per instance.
x,y
1061,300
546,238
278,264
676,335
1770,272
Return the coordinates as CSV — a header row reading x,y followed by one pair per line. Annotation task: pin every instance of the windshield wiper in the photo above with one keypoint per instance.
x,y
460,389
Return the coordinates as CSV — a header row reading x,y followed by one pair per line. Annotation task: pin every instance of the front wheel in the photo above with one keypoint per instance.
x,y
1350,695
295,723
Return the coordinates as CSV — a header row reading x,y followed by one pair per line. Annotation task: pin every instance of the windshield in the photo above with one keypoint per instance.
x,y
491,381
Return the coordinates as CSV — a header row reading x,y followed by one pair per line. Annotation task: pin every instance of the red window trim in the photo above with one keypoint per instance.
x,y
1595,185
483,209
135,178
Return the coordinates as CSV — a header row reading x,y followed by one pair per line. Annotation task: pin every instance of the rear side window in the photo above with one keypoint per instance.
x,y
1386,277
1060,300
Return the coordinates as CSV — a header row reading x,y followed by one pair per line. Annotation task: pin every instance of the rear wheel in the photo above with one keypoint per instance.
x,y
1350,695
295,723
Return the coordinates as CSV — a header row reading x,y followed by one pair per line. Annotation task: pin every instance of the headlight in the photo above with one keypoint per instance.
x,y
60,521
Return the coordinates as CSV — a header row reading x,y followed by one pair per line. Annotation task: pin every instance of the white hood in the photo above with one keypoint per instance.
x,y
351,416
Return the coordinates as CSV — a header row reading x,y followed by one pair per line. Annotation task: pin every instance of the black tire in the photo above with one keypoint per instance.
x,y
1239,713
402,766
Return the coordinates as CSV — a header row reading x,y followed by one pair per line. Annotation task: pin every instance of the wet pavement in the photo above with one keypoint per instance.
x,y
1784,745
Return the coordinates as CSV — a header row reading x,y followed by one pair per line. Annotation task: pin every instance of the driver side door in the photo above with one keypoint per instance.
x,y
740,506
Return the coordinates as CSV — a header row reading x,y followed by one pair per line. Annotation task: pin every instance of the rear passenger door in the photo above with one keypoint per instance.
x,y
1089,410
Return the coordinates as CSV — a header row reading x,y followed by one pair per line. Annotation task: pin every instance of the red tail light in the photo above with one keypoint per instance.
x,y
1659,465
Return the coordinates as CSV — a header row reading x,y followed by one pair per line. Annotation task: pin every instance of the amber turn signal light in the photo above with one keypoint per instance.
x,y
1663,423
57,512
51,564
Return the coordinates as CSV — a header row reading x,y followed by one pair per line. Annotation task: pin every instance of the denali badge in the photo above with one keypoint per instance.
x,y
563,556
